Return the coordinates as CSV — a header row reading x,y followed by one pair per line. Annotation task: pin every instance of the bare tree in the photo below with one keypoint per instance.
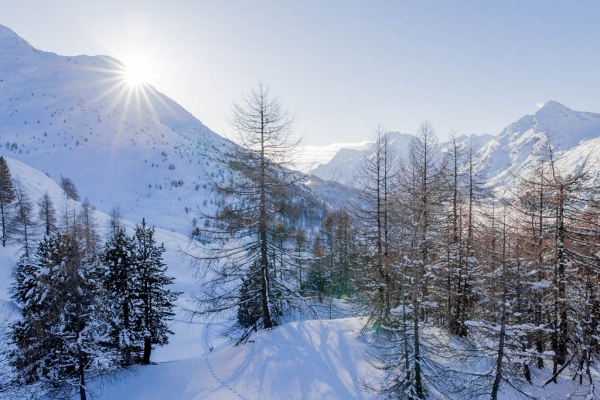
x,y
7,196
47,214
238,270
374,217
116,220
23,226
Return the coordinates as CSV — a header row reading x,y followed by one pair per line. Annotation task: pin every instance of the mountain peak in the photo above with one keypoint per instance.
x,y
10,40
552,107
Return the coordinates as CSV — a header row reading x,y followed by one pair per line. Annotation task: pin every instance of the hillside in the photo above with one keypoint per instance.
x,y
121,145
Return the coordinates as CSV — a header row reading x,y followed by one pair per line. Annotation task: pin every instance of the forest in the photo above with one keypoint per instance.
x,y
450,271
87,306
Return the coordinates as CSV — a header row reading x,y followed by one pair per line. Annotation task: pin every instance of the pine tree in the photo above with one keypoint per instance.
x,y
60,341
120,280
7,196
156,302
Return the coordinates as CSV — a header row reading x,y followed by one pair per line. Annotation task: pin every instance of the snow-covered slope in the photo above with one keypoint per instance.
x,y
519,145
300,360
119,144
76,117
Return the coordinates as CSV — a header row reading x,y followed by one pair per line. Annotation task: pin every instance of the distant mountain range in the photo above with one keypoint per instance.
x,y
574,136
344,166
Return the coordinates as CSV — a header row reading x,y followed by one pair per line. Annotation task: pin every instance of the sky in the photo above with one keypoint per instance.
x,y
343,67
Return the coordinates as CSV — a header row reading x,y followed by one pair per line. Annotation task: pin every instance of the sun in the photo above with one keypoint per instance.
x,y
137,72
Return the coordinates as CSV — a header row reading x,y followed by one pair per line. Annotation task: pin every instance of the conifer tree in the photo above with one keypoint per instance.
x,y
374,216
156,301
22,225
7,196
240,241
47,214
69,187
60,341
119,281
87,228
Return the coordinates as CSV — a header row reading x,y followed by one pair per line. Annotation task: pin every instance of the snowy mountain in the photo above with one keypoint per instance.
x,y
344,166
121,145
573,135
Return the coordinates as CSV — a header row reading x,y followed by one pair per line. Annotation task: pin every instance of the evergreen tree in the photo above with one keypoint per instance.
x,y
156,302
120,280
7,196
60,341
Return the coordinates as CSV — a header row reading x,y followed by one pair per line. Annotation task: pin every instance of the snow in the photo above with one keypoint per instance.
x,y
518,146
120,153
300,360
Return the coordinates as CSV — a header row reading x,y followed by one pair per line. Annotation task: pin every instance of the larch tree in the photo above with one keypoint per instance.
x,y
23,225
422,182
7,196
69,188
374,217
47,214
238,271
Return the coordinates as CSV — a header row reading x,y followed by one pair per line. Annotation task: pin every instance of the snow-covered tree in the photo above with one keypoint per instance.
x,y
155,300
60,342
374,217
120,281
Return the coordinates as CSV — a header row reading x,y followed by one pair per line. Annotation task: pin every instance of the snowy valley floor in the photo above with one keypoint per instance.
x,y
300,360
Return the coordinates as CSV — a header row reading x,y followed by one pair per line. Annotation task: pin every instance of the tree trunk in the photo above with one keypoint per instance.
x,y
500,359
147,350
81,372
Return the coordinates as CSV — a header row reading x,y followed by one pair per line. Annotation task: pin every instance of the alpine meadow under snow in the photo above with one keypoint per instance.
x,y
409,269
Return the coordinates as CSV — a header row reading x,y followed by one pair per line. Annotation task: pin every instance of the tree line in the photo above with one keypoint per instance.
x,y
87,306
428,252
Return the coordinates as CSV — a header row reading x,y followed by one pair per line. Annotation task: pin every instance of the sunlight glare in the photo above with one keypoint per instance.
x,y
137,72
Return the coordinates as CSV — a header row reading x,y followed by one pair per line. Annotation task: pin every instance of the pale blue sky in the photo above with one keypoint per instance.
x,y
343,66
